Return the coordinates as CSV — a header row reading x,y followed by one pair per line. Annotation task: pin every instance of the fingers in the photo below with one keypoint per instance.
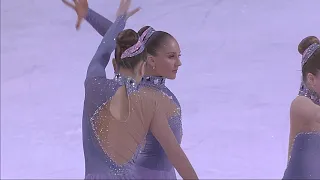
x,y
79,21
69,4
73,6
121,3
75,2
83,2
124,7
127,4
131,13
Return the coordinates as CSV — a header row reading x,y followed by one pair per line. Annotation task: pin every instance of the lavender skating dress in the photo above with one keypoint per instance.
x,y
98,92
152,162
304,162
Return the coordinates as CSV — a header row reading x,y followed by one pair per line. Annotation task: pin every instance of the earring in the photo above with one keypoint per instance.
x,y
153,67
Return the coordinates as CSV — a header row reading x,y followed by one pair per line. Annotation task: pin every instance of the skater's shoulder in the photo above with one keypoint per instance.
x,y
151,94
300,100
304,108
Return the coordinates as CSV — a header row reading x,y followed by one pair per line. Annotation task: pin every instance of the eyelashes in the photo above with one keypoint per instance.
x,y
172,56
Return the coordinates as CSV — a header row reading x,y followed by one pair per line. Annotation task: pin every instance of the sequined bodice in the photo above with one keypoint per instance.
x,y
99,91
304,159
152,156
304,91
304,162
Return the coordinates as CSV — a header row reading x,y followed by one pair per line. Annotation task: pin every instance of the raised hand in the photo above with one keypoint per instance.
x,y
81,7
124,7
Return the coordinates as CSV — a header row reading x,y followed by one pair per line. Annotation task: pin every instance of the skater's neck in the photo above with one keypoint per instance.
x,y
130,73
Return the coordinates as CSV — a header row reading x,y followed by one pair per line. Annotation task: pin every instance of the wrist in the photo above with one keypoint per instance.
x,y
122,16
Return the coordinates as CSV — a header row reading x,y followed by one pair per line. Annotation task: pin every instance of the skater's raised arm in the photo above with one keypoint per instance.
x,y
102,56
108,44
98,22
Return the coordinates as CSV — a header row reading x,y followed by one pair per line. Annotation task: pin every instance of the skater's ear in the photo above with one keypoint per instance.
x,y
151,61
310,78
142,69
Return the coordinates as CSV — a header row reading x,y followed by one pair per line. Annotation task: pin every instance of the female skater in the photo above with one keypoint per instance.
x,y
117,129
101,160
304,142
163,61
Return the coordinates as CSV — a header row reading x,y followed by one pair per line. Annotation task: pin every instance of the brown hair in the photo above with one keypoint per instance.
x,y
125,40
313,64
155,41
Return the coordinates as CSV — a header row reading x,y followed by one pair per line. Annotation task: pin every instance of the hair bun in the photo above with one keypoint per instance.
x,y
306,42
143,29
126,39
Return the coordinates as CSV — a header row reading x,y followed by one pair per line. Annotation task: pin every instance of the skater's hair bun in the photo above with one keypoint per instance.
x,y
306,42
156,41
125,40
312,65
140,32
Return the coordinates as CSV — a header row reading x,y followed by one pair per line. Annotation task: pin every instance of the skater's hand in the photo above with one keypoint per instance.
x,y
81,7
124,7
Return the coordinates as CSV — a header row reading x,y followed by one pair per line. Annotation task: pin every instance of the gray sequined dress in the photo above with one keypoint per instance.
x,y
304,160
98,91
152,162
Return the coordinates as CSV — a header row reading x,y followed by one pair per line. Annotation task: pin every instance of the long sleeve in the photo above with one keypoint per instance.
x,y
101,58
161,130
98,22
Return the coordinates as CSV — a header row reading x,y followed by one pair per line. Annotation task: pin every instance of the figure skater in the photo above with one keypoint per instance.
x,y
163,61
101,160
152,113
304,141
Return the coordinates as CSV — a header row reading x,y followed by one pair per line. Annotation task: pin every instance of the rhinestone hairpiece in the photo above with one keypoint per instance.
x,y
140,45
309,52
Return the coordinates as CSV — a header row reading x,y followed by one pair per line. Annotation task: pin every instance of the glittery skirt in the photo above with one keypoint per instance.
x,y
128,173
145,173
304,162
108,176
136,172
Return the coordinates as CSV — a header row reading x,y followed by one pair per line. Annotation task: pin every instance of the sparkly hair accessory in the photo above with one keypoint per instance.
x,y
309,52
304,90
140,45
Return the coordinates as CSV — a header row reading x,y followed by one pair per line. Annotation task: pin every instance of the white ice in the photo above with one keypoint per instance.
x,y
241,70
